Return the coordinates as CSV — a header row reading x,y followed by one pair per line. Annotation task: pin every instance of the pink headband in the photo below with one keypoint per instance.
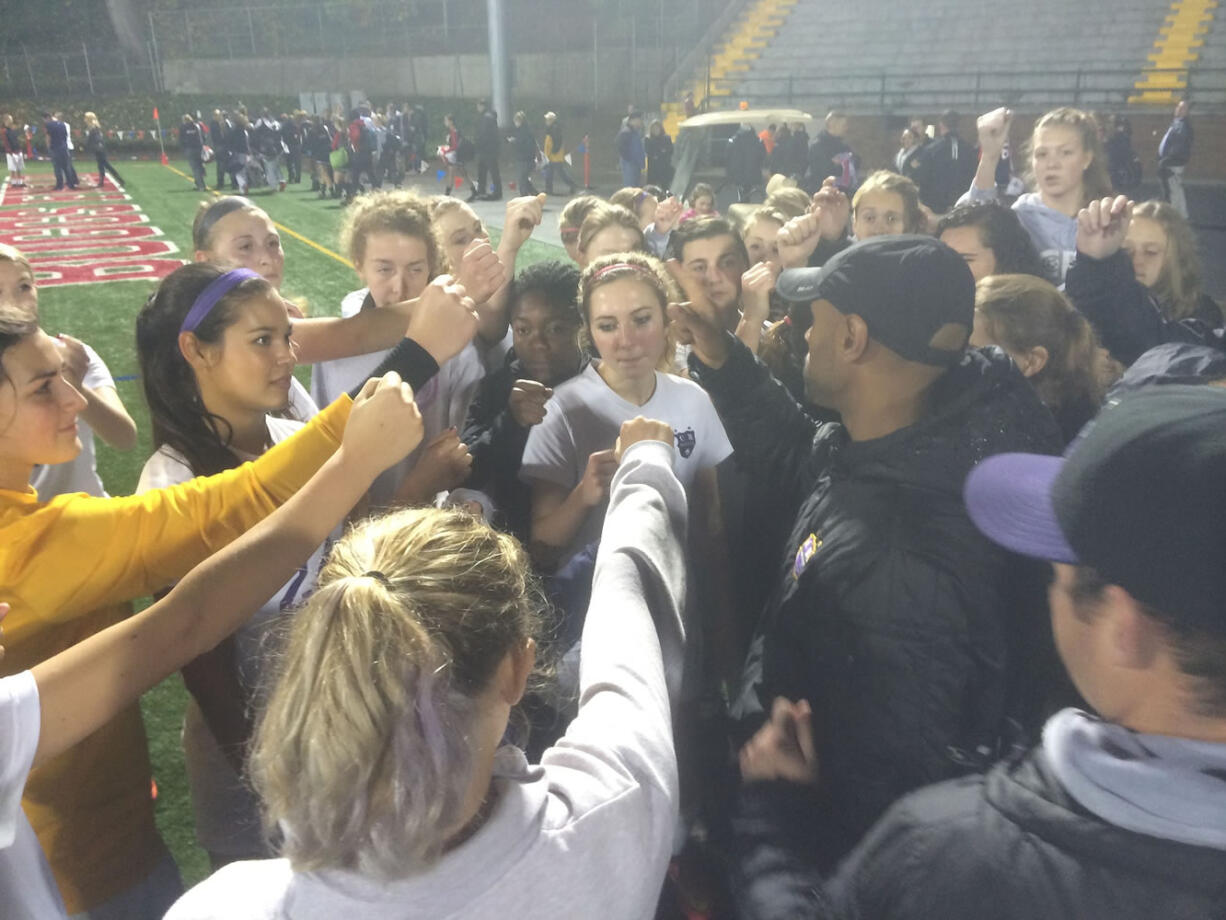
x,y
618,265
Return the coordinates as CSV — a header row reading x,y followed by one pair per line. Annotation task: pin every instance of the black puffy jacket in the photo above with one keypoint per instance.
x,y
1011,845
1125,315
913,637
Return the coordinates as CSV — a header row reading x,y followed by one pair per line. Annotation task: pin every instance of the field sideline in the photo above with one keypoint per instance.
x,y
103,315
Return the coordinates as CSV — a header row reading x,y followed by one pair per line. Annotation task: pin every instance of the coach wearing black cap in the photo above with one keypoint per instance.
x,y
1113,816
892,614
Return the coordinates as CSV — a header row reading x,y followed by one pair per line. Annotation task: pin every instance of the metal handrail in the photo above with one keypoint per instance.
x,y
688,64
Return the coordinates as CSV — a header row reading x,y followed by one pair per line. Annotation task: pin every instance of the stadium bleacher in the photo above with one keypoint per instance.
x,y
883,54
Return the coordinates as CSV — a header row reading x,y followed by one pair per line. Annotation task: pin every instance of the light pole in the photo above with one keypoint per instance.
x,y
500,69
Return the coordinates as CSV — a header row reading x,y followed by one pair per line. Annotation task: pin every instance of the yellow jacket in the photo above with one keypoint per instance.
x,y
69,568
553,155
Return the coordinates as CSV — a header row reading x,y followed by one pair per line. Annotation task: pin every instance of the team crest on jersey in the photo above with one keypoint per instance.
x,y
686,441
805,554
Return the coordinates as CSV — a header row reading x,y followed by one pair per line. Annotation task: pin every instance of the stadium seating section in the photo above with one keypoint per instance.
x,y
875,54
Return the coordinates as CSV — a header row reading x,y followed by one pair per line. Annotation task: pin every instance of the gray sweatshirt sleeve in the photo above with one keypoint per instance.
x,y
634,625
975,194
630,666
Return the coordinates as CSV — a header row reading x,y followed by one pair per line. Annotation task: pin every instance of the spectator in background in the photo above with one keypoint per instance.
x,y
659,150
389,155
266,136
378,128
1174,152
687,103
57,147
14,152
701,203
489,143
455,154
292,134
1123,164
96,144
191,141
746,162
907,160
831,156
360,135
555,155
767,137
419,130
525,151
219,134
631,154
779,156
798,158
72,169
319,139
238,151
946,165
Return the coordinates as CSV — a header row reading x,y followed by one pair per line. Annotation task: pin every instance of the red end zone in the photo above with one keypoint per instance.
x,y
84,237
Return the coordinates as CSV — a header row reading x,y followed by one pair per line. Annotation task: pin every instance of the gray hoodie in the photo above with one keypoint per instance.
x,y
1171,788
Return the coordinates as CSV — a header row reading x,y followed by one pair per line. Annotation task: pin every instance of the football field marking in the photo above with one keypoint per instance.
x,y
84,236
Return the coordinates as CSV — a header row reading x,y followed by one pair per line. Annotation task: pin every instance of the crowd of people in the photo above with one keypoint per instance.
x,y
853,554
346,153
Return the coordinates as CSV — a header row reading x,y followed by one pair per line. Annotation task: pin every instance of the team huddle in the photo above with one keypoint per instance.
x,y
766,565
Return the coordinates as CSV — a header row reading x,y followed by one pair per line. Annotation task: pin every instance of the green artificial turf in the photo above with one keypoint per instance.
x,y
103,315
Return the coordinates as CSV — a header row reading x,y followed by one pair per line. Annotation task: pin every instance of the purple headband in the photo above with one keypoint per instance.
x,y
217,289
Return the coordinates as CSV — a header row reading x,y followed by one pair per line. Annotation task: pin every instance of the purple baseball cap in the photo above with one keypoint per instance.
x,y
1009,497
1140,497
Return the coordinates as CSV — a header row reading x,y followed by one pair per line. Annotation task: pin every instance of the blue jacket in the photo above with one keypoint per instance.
x,y
1176,146
57,135
630,146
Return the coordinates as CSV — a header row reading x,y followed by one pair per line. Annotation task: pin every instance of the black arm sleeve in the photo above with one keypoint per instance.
x,y
1128,321
771,435
495,440
412,362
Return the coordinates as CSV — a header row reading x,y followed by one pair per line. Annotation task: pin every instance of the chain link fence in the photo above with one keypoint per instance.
x,y
73,71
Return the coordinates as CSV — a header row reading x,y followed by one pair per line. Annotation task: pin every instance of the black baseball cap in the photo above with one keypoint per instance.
x,y
906,288
1141,498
